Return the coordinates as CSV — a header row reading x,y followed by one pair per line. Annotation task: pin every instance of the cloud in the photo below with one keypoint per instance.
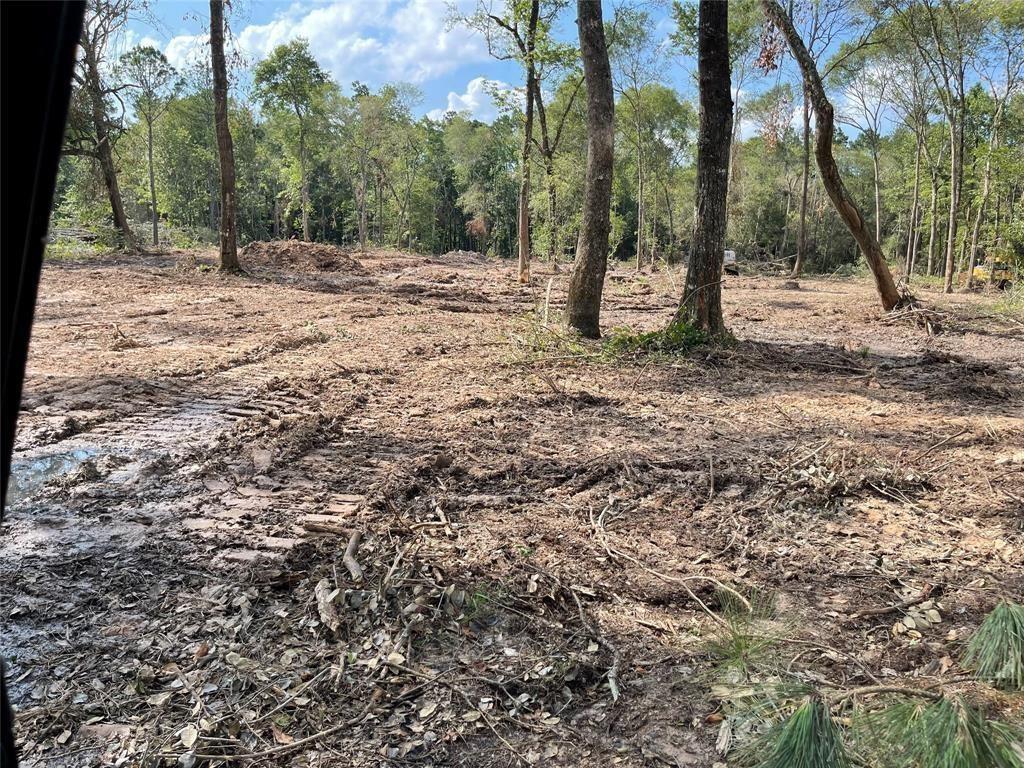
x,y
477,101
370,40
185,51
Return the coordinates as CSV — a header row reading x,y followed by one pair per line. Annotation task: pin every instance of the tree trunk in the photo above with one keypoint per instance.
x,y
878,191
933,225
553,229
361,204
986,190
801,238
225,150
583,306
304,180
524,177
639,193
152,180
955,179
701,303
105,155
830,177
914,227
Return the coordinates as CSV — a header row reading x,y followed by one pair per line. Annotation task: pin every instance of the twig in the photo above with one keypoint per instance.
x,y
868,690
613,670
941,443
892,608
349,558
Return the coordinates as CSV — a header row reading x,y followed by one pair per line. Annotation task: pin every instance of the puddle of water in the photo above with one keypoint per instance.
x,y
30,474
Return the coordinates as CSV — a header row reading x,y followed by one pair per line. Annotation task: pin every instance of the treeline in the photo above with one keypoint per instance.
x,y
928,94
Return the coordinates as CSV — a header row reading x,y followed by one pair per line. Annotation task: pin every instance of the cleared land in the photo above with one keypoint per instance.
x,y
196,450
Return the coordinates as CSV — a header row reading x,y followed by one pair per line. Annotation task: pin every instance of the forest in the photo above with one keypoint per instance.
x,y
332,162
670,416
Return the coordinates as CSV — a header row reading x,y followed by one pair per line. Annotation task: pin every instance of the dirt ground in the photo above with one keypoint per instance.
x,y
540,526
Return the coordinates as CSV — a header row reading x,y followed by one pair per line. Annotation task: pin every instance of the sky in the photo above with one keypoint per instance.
x,y
373,41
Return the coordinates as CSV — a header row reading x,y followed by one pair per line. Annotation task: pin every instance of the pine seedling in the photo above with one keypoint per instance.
x,y
948,733
809,738
996,652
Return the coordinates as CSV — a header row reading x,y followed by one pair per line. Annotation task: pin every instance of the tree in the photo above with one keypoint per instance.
x,y
153,82
91,129
946,35
225,150
583,306
638,62
291,79
701,303
830,176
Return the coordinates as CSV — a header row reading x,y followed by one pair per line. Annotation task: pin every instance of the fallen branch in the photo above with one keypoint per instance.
x,y
349,558
919,598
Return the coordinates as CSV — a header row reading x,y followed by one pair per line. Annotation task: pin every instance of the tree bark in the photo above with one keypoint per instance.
x,y
830,177
583,306
225,150
701,303
524,178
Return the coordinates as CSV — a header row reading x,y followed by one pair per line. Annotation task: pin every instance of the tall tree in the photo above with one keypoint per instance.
x,y
153,82
290,78
946,35
583,306
701,303
225,150
825,124
91,128
638,62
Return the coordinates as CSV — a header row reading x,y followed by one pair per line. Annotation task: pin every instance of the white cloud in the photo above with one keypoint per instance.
x,y
370,40
185,51
477,101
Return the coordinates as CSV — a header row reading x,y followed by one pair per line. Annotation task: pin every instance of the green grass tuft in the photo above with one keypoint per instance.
x,y
996,652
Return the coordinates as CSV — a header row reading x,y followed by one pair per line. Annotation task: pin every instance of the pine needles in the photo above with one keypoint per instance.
x,y
996,652
948,733
810,738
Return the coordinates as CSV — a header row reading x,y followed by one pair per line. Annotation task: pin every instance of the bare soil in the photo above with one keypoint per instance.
x,y
196,450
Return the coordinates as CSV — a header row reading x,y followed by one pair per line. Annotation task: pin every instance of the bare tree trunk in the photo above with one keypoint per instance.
x,y
524,178
105,155
701,303
933,225
304,181
361,204
785,222
225,150
152,180
914,227
801,238
878,191
986,190
955,179
639,196
553,230
830,177
583,306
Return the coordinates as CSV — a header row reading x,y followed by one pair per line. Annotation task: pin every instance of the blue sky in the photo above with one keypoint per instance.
x,y
374,41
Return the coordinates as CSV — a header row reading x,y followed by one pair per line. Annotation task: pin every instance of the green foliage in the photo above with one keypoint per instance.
x,y
996,652
948,733
678,338
809,738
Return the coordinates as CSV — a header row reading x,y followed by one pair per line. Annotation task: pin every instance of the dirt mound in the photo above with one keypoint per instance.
x,y
473,257
300,256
